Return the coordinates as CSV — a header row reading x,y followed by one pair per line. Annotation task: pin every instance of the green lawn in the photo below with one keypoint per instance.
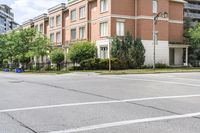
x,y
120,72
149,71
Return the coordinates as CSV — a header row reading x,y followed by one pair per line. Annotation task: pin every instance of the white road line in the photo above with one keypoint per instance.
x,y
123,123
158,81
97,102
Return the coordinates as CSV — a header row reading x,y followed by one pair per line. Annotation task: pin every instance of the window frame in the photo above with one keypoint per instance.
x,y
118,31
71,38
83,31
58,41
52,35
102,10
58,23
51,23
105,31
71,18
84,15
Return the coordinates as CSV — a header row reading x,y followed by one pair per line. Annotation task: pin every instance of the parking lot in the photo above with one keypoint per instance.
x,y
92,103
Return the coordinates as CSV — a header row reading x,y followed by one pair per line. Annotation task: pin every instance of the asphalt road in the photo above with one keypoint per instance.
x,y
91,103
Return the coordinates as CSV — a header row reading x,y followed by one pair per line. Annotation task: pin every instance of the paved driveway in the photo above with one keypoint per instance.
x,y
91,103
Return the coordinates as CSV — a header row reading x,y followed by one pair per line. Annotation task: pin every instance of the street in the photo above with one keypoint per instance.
x,y
92,103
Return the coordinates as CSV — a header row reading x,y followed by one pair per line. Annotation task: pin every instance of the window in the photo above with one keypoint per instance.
x,y
82,32
103,52
73,15
73,34
104,29
82,12
52,37
58,22
51,22
41,28
120,28
104,5
58,37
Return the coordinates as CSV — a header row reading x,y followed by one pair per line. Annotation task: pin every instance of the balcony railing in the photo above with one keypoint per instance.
x,y
192,6
192,15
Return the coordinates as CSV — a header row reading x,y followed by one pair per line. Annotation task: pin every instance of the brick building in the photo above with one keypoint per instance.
x,y
99,20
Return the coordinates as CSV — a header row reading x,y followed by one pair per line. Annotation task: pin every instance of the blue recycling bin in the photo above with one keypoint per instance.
x,y
19,70
6,70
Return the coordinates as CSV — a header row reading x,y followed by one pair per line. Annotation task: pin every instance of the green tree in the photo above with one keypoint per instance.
x,y
129,51
194,41
80,51
57,56
139,53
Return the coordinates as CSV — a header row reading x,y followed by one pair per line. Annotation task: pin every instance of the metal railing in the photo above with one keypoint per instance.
x,y
192,6
192,15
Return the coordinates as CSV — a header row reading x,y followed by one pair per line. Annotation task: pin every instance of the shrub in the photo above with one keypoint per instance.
x,y
5,63
57,56
161,65
129,51
81,51
101,64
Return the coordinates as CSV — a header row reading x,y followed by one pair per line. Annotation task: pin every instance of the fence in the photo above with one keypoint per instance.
x,y
38,66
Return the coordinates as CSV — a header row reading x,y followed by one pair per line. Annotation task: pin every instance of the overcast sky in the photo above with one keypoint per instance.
x,y
27,9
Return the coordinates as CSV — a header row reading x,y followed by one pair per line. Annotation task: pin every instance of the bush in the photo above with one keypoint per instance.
x,y
161,65
81,51
101,64
57,56
5,63
129,51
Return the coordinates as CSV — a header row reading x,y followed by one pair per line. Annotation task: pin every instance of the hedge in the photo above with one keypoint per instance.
x,y
101,64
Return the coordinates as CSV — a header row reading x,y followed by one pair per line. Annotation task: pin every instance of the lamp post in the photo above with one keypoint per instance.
x,y
156,16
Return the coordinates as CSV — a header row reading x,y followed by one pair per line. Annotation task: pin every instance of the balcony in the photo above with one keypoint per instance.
x,y
192,15
192,6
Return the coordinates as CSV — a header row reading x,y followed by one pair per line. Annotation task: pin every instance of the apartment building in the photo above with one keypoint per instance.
x,y
192,11
41,23
100,20
6,19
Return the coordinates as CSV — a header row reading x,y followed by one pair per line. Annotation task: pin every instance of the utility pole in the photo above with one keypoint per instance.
x,y
156,16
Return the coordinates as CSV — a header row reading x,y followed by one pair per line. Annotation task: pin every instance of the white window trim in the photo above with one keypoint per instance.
x,y
51,24
71,15
84,16
59,23
71,34
58,40
83,32
52,40
107,32
119,33
106,10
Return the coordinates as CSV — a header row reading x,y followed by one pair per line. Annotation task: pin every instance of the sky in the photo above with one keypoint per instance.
x,y
28,9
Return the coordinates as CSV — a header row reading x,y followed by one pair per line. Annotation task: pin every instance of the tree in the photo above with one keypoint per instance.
x,y
129,51
80,51
57,56
121,48
194,41
139,53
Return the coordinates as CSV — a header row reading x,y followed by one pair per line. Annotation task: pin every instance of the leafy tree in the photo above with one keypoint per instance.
x,y
129,51
57,56
194,41
139,53
81,51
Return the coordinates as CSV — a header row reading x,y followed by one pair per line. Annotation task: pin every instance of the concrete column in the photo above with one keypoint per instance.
x,y
186,56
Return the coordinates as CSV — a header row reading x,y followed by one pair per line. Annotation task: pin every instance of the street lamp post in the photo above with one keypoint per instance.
x,y
155,41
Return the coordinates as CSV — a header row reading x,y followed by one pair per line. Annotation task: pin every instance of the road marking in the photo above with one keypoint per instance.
x,y
158,81
123,123
97,102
